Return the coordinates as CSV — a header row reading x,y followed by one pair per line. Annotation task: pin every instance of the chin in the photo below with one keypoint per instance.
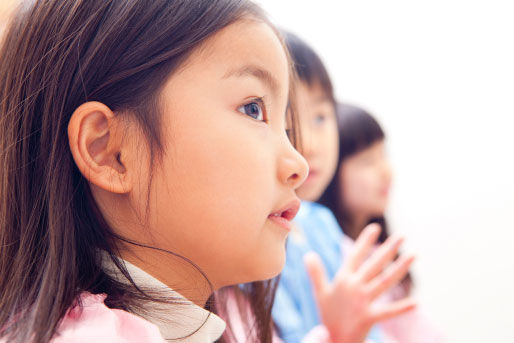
x,y
271,267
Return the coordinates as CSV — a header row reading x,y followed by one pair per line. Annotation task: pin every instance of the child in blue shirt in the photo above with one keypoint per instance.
x,y
295,311
320,290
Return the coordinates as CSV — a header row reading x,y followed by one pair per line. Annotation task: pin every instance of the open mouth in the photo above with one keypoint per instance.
x,y
285,216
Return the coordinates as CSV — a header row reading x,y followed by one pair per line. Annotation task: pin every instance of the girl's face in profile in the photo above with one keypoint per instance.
x,y
365,180
224,191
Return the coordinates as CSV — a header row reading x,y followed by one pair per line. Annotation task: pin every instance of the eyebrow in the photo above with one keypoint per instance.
x,y
254,71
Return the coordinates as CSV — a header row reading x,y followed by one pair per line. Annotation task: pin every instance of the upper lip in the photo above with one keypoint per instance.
x,y
289,211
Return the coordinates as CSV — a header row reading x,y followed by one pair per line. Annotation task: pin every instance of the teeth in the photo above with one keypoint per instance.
x,y
276,214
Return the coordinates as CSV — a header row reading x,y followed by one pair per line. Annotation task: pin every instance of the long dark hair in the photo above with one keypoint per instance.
x,y
358,130
56,55
308,66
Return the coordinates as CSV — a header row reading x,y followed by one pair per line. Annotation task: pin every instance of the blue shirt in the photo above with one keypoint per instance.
x,y
295,311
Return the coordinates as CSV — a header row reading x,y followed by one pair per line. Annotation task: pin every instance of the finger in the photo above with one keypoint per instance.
x,y
380,258
393,309
365,241
390,277
317,273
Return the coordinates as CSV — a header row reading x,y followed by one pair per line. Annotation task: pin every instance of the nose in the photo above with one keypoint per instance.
x,y
292,167
387,171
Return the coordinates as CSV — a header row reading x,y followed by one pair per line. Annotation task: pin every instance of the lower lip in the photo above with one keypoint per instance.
x,y
282,222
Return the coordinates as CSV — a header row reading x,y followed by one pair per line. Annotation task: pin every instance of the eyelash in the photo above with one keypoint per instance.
x,y
262,107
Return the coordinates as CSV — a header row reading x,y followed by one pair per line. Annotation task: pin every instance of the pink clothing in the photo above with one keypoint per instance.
x,y
92,321
181,321
95,322
411,327
240,334
238,330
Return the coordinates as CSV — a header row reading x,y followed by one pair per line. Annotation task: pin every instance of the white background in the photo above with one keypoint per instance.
x,y
439,75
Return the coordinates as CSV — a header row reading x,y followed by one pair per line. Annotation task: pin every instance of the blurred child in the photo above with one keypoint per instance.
x,y
343,300
358,195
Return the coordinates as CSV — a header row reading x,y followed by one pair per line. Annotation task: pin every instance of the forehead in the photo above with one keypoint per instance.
x,y
314,93
247,43
311,99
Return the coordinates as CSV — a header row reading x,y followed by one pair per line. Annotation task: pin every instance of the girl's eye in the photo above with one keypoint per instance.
x,y
253,109
319,119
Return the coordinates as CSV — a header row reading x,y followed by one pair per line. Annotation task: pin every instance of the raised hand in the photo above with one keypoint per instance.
x,y
347,304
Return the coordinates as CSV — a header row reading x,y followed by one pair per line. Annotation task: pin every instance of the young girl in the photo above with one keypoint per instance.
x,y
358,195
345,300
144,164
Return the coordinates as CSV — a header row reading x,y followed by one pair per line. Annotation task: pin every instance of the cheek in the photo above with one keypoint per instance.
x,y
357,188
362,191
331,147
328,150
216,194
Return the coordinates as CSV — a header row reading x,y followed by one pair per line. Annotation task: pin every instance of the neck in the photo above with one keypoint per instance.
x,y
174,271
355,225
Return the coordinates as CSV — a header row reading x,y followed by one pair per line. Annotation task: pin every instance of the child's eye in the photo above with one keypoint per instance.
x,y
253,109
319,119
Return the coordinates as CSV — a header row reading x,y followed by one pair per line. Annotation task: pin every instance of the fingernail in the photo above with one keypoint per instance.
x,y
374,227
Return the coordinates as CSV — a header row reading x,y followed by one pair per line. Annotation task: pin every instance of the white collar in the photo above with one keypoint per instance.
x,y
182,322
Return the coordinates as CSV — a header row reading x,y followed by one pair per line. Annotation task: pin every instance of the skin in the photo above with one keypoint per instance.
x,y
318,125
224,171
6,7
365,181
347,303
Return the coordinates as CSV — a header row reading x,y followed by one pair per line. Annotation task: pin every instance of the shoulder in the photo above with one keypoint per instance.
x,y
312,210
90,320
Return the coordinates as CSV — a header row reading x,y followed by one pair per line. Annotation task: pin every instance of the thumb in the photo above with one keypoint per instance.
x,y
317,273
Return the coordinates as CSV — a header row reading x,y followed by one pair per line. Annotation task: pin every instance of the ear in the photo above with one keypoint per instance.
x,y
95,138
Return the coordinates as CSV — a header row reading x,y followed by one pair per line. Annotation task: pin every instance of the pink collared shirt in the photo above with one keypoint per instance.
x,y
95,322
90,320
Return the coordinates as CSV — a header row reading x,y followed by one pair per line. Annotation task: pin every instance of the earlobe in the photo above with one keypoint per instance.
x,y
94,136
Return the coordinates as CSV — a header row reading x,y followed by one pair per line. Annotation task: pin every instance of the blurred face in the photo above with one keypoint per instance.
x,y
320,139
224,194
365,179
